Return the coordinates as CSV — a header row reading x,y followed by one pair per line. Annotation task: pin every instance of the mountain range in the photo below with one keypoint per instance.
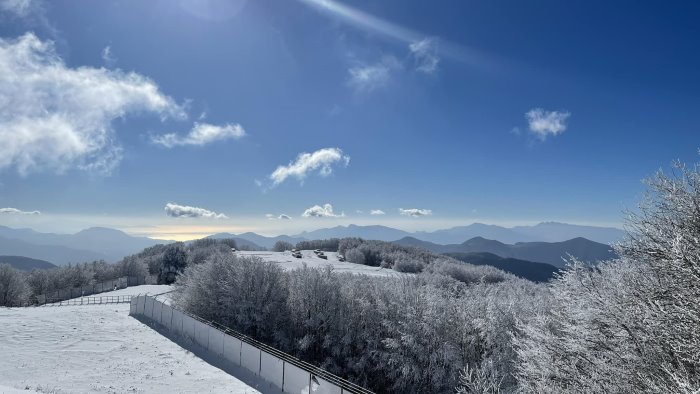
x,y
96,243
256,241
536,272
543,232
99,243
552,253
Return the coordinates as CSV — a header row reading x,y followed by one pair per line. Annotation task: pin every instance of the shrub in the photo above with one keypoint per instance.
x,y
281,246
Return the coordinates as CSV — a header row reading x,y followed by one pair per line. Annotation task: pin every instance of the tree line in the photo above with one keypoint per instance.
x,y
22,288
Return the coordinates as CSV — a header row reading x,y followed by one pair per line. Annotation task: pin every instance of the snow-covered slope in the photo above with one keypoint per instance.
x,y
308,257
99,349
139,290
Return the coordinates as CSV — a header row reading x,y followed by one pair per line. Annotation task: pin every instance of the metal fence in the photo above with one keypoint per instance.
x,y
284,371
93,301
97,288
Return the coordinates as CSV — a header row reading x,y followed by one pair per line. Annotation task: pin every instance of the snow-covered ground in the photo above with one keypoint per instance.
x,y
138,290
308,257
11,390
99,349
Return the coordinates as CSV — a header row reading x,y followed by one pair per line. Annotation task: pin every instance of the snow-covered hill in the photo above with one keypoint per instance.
x,y
308,257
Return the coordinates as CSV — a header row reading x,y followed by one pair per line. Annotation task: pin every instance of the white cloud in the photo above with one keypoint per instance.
x,y
15,211
20,8
415,212
377,212
108,57
317,211
367,78
201,134
425,53
183,211
321,160
53,117
270,216
545,123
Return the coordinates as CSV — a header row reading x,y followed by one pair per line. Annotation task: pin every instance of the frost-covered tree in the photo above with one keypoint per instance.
x,y
629,325
402,334
13,287
356,256
281,246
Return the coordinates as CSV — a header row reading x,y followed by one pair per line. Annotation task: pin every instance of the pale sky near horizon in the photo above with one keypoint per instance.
x,y
178,119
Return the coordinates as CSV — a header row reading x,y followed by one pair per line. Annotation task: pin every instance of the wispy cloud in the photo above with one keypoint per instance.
x,y
201,134
108,57
425,53
545,123
415,212
377,212
270,216
55,117
20,8
317,211
321,160
15,211
184,211
368,22
367,78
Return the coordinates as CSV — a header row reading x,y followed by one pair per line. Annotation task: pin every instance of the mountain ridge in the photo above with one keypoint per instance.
x,y
553,253
26,263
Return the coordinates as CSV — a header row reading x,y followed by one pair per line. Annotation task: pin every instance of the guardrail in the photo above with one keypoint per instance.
x,y
93,301
286,372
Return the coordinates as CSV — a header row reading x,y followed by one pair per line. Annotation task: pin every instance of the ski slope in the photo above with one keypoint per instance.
x,y
309,258
99,349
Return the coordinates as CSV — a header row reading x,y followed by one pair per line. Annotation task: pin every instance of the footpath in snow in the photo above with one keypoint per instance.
x,y
100,349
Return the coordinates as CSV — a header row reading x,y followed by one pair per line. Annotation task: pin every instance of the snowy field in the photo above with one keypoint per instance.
x,y
100,349
139,290
308,257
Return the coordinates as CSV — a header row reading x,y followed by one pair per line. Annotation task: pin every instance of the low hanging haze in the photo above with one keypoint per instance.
x,y
179,119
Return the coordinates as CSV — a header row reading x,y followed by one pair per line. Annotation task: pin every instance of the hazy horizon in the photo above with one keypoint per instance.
x,y
192,230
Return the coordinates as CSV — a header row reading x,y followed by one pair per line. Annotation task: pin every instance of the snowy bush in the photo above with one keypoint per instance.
x,y
281,246
467,273
354,255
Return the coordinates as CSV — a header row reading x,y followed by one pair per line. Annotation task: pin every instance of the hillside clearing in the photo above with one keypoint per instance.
x,y
286,261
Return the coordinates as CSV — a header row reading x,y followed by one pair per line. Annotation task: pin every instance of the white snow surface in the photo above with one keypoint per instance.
x,y
138,290
98,349
309,258
11,390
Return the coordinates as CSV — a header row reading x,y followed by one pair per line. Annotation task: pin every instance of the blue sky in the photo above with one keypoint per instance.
x,y
455,111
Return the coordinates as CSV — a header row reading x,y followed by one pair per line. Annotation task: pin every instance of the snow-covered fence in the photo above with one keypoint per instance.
x,y
97,288
93,301
285,372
